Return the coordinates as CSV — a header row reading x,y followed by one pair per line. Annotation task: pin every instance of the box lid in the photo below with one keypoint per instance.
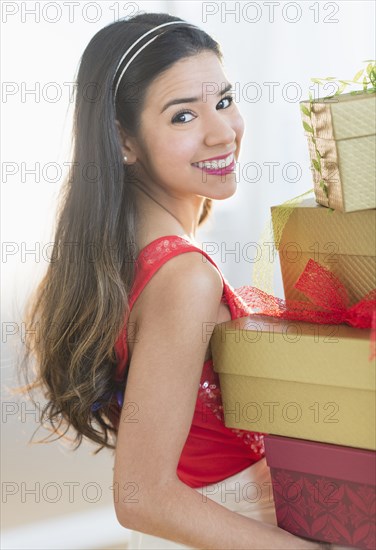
x,y
314,228
270,348
344,116
312,457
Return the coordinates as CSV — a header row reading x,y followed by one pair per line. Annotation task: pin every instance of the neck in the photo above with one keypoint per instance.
x,y
188,233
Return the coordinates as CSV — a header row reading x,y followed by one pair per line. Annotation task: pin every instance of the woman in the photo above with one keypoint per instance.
x,y
127,312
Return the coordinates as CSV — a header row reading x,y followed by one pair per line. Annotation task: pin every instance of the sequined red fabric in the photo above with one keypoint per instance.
x,y
212,451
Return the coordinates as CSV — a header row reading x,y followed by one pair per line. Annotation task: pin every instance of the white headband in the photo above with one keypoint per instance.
x,y
142,47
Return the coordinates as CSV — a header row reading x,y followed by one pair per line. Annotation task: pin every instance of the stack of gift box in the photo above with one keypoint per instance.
x,y
310,386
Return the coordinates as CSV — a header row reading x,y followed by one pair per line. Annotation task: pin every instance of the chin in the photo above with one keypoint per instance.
x,y
222,190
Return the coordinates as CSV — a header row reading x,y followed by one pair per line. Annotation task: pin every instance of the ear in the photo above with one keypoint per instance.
x,y
127,144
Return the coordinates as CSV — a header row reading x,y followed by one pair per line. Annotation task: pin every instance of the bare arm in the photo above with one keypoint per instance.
x,y
179,513
162,389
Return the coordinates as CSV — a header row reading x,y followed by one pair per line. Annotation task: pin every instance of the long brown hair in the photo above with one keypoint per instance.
x,y
81,303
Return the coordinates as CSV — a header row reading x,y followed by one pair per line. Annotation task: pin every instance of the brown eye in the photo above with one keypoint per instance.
x,y
176,120
229,98
180,114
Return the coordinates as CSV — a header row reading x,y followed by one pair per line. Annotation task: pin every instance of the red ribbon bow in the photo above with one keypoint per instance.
x,y
329,302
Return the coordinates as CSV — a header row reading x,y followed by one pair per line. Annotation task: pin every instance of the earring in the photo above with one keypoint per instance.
x,y
125,159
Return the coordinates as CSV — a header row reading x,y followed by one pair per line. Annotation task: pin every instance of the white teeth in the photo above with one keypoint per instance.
x,y
216,164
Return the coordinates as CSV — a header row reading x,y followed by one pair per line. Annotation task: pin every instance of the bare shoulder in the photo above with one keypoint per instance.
x,y
187,285
188,277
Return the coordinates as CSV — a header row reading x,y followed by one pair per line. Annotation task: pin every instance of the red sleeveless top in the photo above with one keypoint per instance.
x,y
212,452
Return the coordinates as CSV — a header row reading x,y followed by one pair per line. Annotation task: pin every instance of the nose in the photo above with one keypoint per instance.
x,y
219,129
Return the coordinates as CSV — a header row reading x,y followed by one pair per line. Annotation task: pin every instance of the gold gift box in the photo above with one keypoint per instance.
x,y
344,243
345,131
297,379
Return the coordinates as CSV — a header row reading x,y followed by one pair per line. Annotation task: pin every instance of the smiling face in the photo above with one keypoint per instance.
x,y
175,136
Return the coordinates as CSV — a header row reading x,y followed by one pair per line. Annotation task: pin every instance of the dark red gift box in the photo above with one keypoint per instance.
x,y
322,491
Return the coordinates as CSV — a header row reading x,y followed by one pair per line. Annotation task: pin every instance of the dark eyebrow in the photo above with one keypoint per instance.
x,y
227,88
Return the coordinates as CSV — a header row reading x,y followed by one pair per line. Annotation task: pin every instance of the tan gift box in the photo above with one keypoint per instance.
x,y
297,379
344,243
344,128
